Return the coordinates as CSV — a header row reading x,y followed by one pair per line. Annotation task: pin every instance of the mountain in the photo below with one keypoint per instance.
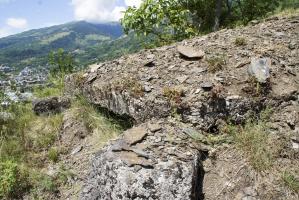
x,y
86,41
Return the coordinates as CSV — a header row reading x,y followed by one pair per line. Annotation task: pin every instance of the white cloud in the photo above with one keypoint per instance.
x,y
97,10
101,10
136,3
4,32
19,23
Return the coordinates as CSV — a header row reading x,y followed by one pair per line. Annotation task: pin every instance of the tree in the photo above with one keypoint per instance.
x,y
61,63
166,20
172,20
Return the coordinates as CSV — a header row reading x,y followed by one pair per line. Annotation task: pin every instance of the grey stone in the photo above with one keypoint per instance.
x,y
154,127
132,175
51,105
207,85
190,52
135,135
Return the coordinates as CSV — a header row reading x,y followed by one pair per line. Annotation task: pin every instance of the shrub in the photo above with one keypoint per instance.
x,y
255,141
240,41
13,180
290,181
216,63
53,154
174,95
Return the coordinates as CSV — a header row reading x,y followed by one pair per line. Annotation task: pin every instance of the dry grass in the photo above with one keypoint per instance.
x,y
290,181
256,142
102,127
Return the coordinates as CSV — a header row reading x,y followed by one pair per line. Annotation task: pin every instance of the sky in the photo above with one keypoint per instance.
x,y
20,15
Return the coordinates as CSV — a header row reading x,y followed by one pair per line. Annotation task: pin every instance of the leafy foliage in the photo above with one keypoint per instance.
x,y
13,180
165,19
61,63
172,20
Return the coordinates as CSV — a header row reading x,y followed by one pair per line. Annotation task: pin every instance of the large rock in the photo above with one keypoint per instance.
x,y
51,105
147,165
176,85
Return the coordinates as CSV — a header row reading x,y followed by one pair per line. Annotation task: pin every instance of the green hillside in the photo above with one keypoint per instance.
x,y
87,42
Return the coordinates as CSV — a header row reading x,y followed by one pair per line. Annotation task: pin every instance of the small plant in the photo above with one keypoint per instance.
x,y
258,89
254,140
174,95
13,180
130,84
53,154
216,63
240,41
290,181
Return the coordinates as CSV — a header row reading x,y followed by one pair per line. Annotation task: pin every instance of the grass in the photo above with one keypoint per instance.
x,y
174,95
216,63
130,84
102,126
53,154
290,181
56,88
255,141
240,41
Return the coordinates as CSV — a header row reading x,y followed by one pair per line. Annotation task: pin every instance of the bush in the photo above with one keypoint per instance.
x,y
240,41
13,180
53,154
290,181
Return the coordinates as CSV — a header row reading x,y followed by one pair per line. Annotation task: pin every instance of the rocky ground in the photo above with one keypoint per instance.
x,y
182,99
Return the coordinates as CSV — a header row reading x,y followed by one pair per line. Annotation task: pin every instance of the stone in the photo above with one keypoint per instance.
x,y
182,79
260,69
77,150
131,159
94,68
154,127
207,85
51,105
147,88
190,52
155,174
135,135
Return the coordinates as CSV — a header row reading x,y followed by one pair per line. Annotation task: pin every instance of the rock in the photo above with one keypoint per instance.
x,y
6,117
127,175
77,150
190,52
131,159
94,68
147,88
154,127
51,105
207,85
135,135
182,79
260,69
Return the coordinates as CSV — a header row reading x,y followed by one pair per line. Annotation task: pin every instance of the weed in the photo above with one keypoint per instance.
x,y
240,41
53,155
256,88
130,84
254,140
101,124
290,181
174,95
13,180
216,63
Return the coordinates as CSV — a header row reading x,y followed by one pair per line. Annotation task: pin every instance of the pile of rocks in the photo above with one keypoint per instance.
x,y
201,82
